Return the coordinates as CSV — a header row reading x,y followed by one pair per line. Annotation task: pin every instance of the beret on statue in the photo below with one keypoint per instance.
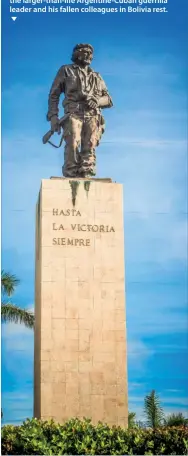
x,y
81,45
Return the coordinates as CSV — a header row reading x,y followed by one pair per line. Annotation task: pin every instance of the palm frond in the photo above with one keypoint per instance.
x,y
8,283
153,410
15,314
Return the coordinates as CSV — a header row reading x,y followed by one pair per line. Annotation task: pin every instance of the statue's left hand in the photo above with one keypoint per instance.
x,y
92,103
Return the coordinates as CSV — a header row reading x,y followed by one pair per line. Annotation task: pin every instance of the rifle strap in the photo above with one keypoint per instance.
x,y
54,145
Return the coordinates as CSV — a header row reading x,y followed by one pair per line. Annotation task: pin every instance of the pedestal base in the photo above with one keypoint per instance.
x,y
80,338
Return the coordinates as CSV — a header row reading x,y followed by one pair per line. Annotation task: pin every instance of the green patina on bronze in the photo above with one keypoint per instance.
x,y
74,187
87,187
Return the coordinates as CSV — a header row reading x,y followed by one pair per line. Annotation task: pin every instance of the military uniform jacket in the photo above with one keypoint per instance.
x,y
77,85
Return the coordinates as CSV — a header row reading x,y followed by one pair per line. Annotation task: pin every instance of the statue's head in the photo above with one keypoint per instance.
x,y
82,53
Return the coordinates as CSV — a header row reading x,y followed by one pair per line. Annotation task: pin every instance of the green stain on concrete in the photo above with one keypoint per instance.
x,y
74,188
87,187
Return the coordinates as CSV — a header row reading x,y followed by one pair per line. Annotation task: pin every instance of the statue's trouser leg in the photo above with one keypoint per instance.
x,y
72,138
89,141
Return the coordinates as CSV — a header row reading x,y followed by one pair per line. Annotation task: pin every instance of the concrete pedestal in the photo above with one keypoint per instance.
x,y
80,337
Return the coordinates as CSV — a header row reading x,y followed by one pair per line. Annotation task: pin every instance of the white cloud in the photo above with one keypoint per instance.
x,y
17,338
31,307
149,320
138,355
144,142
17,404
172,390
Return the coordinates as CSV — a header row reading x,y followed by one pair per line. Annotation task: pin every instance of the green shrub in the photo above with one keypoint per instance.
x,y
81,438
176,419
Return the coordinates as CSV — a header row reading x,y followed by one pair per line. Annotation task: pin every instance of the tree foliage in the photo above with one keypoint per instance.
x,y
153,410
8,283
176,419
131,420
9,311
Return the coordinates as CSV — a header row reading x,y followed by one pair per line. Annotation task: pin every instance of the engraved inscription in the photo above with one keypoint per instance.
x,y
76,227
66,212
71,241
58,227
94,228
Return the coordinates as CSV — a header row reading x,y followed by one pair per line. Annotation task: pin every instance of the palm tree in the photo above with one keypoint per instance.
x,y
10,312
153,410
8,283
176,419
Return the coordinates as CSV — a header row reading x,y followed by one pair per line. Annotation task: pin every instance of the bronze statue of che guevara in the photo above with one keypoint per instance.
x,y
85,95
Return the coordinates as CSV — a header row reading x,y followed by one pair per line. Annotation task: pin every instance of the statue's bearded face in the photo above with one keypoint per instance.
x,y
83,55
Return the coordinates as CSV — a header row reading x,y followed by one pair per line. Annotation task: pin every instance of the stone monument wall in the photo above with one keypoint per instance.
x,y
80,331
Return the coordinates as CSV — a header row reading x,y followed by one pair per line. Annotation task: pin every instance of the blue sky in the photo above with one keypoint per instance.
x,y
142,58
